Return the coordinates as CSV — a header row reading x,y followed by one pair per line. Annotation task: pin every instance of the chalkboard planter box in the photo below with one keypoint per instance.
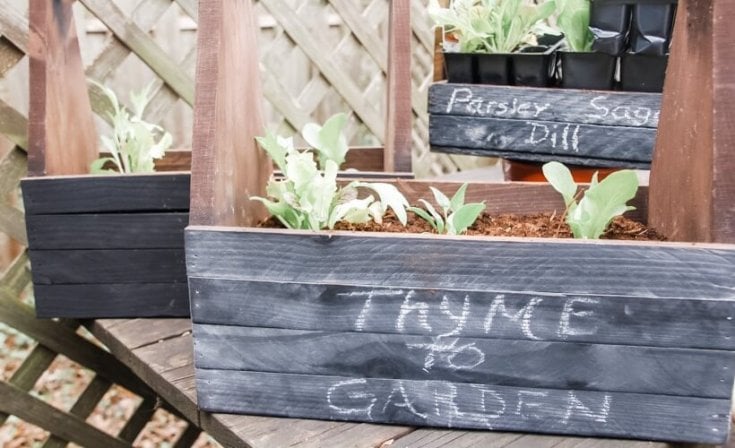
x,y
643,73
460,67
493,68
611,339
590,71
610,25
533,67
108,246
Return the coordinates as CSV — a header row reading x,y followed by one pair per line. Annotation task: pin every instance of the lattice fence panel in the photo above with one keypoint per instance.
x,y
22,394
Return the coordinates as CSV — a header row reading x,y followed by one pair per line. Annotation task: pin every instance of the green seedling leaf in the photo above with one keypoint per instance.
x,y
421,213
439,223
441,200
328,140
458,198
464,217
561,179
391,198
277,148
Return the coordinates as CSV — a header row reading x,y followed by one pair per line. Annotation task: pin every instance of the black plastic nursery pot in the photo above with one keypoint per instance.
x,y
643,73
460,67
493,68
592,71
533,67
651,28
610,25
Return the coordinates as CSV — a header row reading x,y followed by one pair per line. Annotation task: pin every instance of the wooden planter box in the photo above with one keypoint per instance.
x,y
612,339
108,246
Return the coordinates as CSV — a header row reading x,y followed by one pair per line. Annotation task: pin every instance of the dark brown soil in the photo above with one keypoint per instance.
x,y
543,225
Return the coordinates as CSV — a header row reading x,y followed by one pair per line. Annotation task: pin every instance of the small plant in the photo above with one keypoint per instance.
x,y
308,196
590,217
573,18
491,26
135,144
456,216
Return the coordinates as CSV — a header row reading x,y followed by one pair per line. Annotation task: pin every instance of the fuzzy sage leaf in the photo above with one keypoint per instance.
x,y
456,216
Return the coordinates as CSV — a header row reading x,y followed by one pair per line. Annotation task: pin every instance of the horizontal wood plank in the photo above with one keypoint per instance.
x,y
427,261
592,162
539,104
113,301
107,231
543,137
504,362
446,404
107,266
106,193
654,322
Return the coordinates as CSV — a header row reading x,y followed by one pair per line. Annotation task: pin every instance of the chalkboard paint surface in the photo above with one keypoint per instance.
x,y
615,340
583,127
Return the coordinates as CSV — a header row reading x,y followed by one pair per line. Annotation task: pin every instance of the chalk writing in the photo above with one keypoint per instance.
x,y
441,401
549,134
464,100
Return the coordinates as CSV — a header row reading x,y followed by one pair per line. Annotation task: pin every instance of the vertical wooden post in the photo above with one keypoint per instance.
x,y
62,138
227,165
692,194
439,74
399,117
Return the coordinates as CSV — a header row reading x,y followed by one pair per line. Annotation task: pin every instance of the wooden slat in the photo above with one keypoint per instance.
x,y
66,426
107,231
93,194
653,417
571,267
399,114
564,106
228,166
137,266
62,134
112,300
140,418
692,189
543,137
502,362
654,322
144,47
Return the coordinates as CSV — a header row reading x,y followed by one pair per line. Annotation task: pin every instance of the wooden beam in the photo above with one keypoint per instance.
x,y
399,118
692,187
62,136
227,166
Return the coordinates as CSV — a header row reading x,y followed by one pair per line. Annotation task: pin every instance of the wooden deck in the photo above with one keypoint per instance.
x,y
160,352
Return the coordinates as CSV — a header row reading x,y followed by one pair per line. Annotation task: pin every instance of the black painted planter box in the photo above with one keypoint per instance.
x,y
590,128
108,246
598,338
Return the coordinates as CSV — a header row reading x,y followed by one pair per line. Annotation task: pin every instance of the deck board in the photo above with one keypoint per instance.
x,y
160,352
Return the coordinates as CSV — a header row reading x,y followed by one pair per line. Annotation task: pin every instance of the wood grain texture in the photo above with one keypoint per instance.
x,y
543,137
425,261
503,362
445,404
62,134
653,322
107,231
106,194
112,301
64,267
691,187
591,162
399,116
564,106
227,165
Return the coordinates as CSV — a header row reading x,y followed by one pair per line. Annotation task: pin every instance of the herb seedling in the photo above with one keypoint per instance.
x,y
308,196
602,202
135,144
456,216
491,26
573,18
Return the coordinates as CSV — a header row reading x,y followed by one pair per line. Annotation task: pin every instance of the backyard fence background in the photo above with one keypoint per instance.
x,y
319,57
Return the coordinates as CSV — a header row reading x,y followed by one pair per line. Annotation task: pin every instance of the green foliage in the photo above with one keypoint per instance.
x,y
573,18
491,26
601,203
135,144
308,196
456,216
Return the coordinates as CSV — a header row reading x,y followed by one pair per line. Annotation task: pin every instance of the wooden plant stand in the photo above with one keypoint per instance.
x,y
613,339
